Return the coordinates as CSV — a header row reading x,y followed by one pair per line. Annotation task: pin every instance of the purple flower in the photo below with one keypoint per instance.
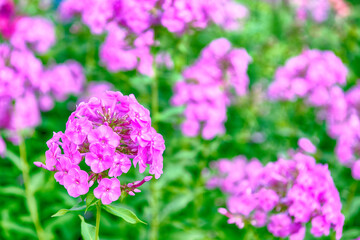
x,y
284,195
110,133
25,86
63,166
280,225
121,164
318,10
108,190
306,145
62,80
104,135
99,158
52,154
37,32
319,226
76,182
206,87
78,129
268,199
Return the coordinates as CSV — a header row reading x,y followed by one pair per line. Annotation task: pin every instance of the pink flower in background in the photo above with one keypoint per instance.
x,y
315,76
344,125
306,145
319,10
129,25
109,133
95,89
26,86
283,195
62,80
311,75
35,32
108,190
207,86
179,16
138,16
118,54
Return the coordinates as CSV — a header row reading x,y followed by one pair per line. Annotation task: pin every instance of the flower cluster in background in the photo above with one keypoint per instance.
x,y
207,87
129,25
312,75
316,76
344,126
317,10
283,195
27,87
109,134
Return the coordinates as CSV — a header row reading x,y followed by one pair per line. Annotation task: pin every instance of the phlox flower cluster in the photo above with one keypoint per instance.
x,y
313,75
316,76
129,24
118,53
36,33
207,86
138,16
318,10
283,196
178,16
104,137
26,86
343,120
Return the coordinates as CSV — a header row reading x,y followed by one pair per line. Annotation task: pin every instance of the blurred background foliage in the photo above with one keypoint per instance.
x,y
256,128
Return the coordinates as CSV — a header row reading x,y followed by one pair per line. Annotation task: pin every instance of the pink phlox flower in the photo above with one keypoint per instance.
x,y
108,190
63,166
78,129
100,158
104,135
76,182
120,165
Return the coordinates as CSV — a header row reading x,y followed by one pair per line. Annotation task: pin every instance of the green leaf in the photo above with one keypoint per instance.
x,y
78,207
87,230
12,190
122,212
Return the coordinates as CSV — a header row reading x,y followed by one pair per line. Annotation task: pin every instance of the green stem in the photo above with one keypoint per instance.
x,y
154,226
30,199
350,197
198,201
154,100
98,213
154,198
